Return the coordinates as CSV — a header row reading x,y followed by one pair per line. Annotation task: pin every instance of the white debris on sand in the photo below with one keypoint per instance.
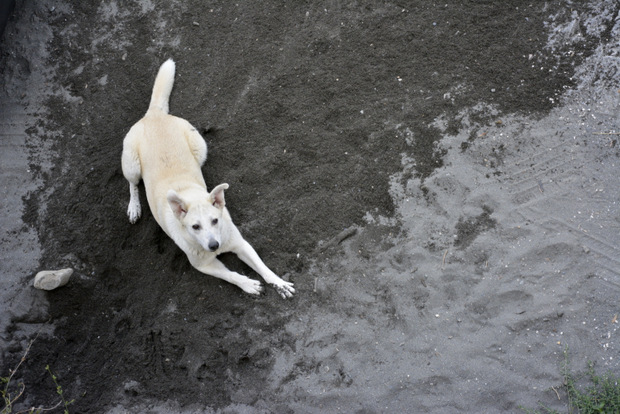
x,y
52,279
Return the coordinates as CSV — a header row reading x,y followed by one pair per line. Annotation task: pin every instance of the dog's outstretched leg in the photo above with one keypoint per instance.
x,y
247,253
217,269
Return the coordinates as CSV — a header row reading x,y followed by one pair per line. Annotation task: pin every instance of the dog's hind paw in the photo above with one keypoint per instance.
x,y
133,212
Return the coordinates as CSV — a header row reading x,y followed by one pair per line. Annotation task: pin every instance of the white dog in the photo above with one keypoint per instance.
x,y
166,152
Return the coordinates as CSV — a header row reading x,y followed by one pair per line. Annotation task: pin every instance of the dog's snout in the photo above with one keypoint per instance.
x,y
213,245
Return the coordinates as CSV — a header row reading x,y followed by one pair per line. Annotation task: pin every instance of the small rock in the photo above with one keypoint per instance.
x,y
52,279
132,387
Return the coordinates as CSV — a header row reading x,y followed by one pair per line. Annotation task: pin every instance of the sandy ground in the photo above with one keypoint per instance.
x,y
439,181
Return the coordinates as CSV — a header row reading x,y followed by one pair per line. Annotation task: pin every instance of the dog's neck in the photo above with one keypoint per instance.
x,y
190,246
191,189
200,252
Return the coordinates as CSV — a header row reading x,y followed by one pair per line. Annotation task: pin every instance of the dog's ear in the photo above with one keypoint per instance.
x,y
217,195
176,204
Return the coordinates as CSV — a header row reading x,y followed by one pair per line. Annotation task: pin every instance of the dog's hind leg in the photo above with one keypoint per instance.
x,y
197,145
132,171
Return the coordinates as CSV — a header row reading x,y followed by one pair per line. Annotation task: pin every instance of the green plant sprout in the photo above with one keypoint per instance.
x,y
601,397
59,391
10,397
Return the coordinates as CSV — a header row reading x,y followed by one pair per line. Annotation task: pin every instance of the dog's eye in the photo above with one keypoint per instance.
x,y
196,226
214,222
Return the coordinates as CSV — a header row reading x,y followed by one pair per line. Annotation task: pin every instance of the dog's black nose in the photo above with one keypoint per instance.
x,y
213,245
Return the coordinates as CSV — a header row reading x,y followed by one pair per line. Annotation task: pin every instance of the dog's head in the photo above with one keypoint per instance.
x,y
201,216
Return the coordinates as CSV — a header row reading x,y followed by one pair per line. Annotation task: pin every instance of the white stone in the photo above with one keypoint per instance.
x,y
52,279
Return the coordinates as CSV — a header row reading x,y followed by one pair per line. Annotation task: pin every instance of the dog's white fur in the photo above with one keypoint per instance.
x,y
166,152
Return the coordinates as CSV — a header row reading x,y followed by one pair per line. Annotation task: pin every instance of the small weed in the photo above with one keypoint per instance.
x,y
59,391
11,392
8,396
601,396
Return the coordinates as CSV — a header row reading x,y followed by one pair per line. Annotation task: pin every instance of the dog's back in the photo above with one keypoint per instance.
x,y
169,149
165,154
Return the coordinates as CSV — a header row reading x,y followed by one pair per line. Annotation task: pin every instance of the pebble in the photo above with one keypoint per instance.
x,y
52,279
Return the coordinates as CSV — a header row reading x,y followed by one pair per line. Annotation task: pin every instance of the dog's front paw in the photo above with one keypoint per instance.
x,y
251,286
284,288
134,211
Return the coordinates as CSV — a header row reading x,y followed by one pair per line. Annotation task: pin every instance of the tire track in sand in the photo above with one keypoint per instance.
x,y
560,184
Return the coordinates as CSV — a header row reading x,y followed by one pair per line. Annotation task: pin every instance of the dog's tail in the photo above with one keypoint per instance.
x,y
163,87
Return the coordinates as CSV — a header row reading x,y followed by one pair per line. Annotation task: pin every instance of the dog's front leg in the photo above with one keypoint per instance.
x,y
217,269
247,253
